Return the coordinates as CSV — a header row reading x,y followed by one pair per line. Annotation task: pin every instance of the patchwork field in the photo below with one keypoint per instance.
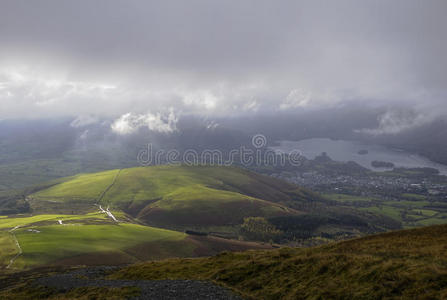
x,y
414,211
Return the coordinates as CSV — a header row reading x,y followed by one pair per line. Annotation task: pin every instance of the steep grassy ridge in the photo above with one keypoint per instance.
x,y
84,187
180,195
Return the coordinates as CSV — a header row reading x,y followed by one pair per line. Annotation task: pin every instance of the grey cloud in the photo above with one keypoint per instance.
x,y
82,121
130,123
396,121
112,57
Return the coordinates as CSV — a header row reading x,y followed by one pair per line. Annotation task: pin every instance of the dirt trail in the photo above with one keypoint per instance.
x,y
107,211
109,187
18,247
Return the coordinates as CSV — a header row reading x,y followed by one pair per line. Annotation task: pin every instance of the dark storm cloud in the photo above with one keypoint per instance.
x,y
214,57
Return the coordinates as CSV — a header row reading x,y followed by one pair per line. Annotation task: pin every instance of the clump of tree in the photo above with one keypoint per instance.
x,y
259,229
306,226
13,203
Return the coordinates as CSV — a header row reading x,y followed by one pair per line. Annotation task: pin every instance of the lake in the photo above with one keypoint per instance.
x,y
342,150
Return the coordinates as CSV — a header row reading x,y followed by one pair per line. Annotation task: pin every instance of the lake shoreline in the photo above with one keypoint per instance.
x,y
345,150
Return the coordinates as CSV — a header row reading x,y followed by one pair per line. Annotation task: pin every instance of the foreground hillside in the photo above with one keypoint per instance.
x,y
403,264
410,264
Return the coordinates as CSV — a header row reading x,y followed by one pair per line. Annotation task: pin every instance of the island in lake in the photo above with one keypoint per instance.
x,y
382,164
362,152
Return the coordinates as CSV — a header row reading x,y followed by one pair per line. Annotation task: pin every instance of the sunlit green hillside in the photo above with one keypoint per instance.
x,y
96,239
178,195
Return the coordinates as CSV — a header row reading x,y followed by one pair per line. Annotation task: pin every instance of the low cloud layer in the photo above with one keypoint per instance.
x,y
83,121
130,123
397,121
123,59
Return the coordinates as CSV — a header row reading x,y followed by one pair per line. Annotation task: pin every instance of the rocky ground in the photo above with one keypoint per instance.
x,y
150,289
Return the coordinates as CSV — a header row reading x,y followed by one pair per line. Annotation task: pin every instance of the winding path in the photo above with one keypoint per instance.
x,y
109,187
107,211
18,247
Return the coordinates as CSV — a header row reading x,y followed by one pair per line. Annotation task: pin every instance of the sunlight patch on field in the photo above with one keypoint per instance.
x,y
55,242
25,221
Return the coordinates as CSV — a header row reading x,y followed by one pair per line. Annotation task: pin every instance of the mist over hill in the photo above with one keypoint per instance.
x,y
96,146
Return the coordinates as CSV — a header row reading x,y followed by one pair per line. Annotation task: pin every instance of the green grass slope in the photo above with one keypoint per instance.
x,y
84,187
83,239
408,264
178,196
54,243
9,223
95,239
8,248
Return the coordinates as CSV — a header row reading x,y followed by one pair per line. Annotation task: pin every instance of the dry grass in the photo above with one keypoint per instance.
x,y
402,264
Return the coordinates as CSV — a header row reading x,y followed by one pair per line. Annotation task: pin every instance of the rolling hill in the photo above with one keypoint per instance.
x,y
207,199
176,196
161,212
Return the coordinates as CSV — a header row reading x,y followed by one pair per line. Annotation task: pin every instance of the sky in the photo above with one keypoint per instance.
x,y
149,62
